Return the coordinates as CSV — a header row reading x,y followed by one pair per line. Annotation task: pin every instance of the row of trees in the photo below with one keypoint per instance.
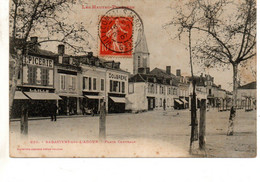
x,y
227,36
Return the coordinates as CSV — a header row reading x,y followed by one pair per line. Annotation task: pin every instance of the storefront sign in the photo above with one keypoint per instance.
x,y
39,90
38,61
115,76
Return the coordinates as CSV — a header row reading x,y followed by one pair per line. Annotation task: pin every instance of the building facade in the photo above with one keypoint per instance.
x,y
36,82
246,96
76,84
67,82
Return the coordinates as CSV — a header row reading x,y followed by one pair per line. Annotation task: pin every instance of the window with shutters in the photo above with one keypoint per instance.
x,y
89,84
44,74
62,82
73,83
32,75
111,86
123,87
102,84
94,84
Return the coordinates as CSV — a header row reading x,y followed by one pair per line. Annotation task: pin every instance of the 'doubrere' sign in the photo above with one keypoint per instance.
x,y
115,76
38,61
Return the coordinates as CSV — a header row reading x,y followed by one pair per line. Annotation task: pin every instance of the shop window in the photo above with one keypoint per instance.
x,y
102,84
160,102
32,74
62,82
94,84
44,74
123,87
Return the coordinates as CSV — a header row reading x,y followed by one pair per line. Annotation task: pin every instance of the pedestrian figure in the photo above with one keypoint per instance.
x,y
164,104
231,121
53,112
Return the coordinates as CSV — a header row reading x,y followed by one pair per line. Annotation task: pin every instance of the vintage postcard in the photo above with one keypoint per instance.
x,y
132,78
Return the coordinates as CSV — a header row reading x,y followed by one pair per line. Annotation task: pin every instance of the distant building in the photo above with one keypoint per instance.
x,y
149,90
200,89
246,96
183,88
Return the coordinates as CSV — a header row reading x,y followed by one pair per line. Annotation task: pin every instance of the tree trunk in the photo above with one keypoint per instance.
x,y
202,125
102,122
234,102
24,120
17,66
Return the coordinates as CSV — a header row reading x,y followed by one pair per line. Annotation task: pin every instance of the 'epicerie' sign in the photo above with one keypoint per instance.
x,y
38,61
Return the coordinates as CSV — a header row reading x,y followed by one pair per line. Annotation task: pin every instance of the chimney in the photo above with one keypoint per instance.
x,y
90,54
70,60
34,42
178,72
34,39
168,70
61,49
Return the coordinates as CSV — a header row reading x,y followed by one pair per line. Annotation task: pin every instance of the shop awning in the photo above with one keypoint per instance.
x,y
20,96
69,95
42,96
184,101
94,97
118,99
178,101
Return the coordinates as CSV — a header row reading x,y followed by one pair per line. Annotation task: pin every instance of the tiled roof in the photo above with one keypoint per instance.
x,y
200,80
251,85
162,73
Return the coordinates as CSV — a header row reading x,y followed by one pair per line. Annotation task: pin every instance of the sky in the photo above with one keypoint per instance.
x,y
164,50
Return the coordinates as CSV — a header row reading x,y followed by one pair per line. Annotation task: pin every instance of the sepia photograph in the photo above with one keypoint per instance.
x,y
132,79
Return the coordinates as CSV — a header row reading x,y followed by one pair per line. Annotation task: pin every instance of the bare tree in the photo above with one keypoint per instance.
x,y
29,17
227,34
231,37
183,22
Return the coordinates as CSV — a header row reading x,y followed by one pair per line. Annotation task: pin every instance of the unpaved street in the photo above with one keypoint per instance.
x,y
149,134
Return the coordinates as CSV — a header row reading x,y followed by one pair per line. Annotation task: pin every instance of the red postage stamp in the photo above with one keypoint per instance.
x,y
118,32
116,36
